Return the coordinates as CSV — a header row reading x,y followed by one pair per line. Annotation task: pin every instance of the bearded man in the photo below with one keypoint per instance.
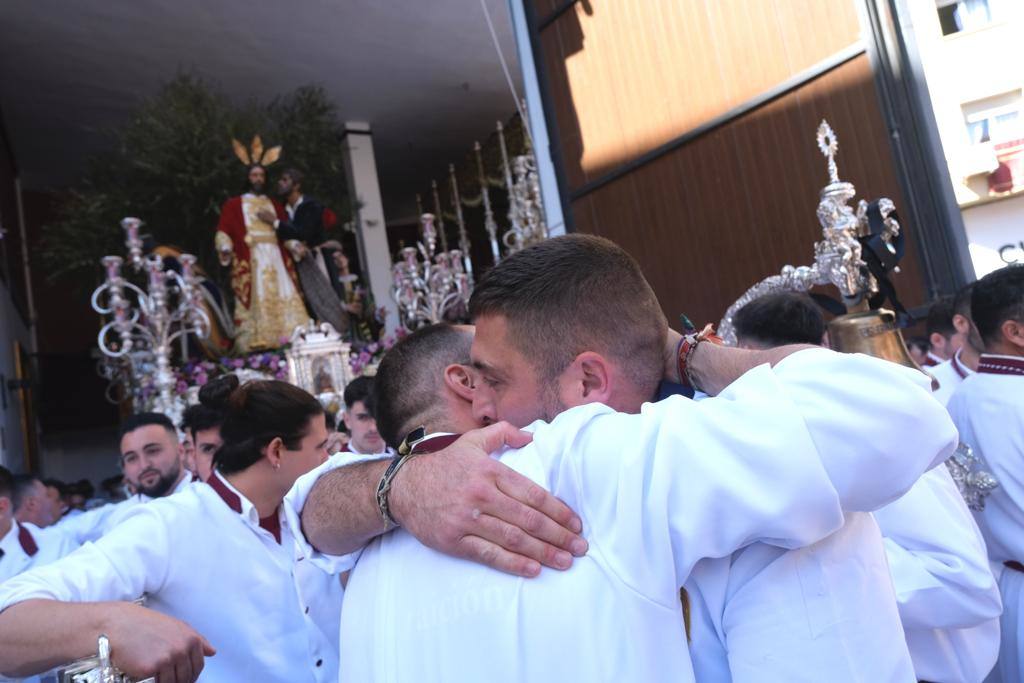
x,y
268,306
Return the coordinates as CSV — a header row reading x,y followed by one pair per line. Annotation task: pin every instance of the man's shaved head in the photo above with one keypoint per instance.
x,y
410,377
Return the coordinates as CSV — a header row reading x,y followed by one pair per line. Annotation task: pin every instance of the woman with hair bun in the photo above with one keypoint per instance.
x,y
224,593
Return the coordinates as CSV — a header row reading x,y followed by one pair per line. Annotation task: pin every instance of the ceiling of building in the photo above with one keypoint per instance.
x,y
425,75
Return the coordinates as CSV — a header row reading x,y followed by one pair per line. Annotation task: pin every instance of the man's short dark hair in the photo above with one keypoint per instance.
x,y
6,483
409,379
780,319
940,318
140,420
577,293
962,301
998,297
359,389
22,488
295,174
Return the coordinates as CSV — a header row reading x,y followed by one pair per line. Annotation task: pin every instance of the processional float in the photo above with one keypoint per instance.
x,y
144,326
858,251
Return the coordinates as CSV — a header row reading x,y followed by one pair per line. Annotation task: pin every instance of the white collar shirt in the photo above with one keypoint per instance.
x,y
633,479
292,208
988,409
92,524
25,546
197,559
950,374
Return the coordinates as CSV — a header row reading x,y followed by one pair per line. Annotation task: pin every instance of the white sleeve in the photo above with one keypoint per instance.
x,y
89,525
937,557
876,424
295,500
775,458
123,565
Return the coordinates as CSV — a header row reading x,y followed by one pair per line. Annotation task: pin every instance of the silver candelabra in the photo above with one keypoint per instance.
x,y
431,288
148,322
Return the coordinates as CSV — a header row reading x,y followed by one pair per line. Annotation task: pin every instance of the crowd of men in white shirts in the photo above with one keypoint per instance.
x,y
565,490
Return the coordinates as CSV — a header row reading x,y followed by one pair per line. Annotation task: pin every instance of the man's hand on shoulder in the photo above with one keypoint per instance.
x,y
464,503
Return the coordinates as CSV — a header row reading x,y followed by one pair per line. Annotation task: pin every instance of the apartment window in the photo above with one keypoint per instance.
x,y
994,119
967,15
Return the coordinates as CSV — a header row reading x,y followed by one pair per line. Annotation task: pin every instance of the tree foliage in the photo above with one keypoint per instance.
x,y
172,166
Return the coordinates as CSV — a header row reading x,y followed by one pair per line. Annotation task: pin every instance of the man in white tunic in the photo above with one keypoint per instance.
x,y
24,545
216,563
364,438
152,462
988,409
964,360
948,599
649,511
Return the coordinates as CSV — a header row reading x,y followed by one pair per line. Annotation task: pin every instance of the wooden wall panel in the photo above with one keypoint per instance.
x,y
710,218
628,76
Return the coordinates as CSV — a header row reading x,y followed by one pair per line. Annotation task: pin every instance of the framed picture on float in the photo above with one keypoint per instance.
x,y
318,361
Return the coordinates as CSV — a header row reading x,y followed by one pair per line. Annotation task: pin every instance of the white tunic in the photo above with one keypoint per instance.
x,y
948,598
988,409
657,492
950,374
766,614
218,570
25,546
91,524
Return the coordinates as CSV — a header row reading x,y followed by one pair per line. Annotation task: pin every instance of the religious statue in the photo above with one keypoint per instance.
x,y
305,233
268,306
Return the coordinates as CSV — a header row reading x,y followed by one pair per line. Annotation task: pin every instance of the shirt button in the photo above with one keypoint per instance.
x,y
319,662
307,609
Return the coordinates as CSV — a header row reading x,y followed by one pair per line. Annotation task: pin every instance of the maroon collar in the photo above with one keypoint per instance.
x,y
958,366
28,544
1001,365
271,523
434,443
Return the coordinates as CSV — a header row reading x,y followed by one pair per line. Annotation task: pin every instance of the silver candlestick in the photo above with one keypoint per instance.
x,y
429,285
463,235
149,320
489,224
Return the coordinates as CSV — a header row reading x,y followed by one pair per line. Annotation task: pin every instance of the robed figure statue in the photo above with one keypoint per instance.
x,y
268,306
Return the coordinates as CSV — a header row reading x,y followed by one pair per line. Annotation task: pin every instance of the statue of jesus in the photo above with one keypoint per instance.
x,y
268,306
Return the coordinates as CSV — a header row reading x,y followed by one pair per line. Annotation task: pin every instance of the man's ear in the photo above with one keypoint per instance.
x,y
961,323
937,341
1013,332
273,451
6,506
591,376
460,380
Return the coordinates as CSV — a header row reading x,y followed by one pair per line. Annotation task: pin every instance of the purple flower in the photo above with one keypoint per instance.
x,y
202,378
274,364
281,374
283,341
254,362
181,387
237,363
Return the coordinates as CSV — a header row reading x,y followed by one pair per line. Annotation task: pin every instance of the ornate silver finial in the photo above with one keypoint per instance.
x,y
829,146
972,478
838,256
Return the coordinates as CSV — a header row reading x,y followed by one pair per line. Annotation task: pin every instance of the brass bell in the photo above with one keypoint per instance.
x,y
873,333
